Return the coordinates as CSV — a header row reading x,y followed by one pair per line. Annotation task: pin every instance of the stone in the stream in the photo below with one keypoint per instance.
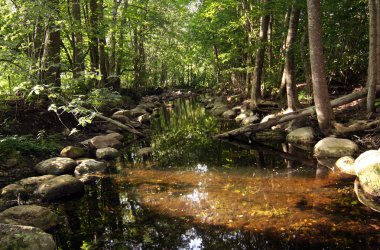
x,y
241,117
136,112
219,109
346,165
144,119
88,170
73,152
120,118
144,151
367,168
107,153
13,191
303,135
58,187
135,124
103,141
250,119
25,237
31,183
55,166
335,148
230,114
30,215
122,112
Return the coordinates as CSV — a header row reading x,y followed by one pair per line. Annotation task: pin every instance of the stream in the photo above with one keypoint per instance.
x,y
200,193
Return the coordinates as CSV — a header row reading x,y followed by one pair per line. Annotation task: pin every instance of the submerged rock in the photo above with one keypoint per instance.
x,y
73,152
30,215
87,170
58,187
107,153
335,148
303,135
25,237
55,166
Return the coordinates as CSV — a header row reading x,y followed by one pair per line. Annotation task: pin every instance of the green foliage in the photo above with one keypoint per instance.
x,y
104,99
27,146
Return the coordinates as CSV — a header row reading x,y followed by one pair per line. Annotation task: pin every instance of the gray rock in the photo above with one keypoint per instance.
x,y
103,141
55,166
120,118
219,109
367,168
241,117
58,187
122,113
301,135
30,215
145,151
346,165
90,167
13,191
144,119
335,148
25,237
250,119
73,152
31,183
107,153
136,112
230,114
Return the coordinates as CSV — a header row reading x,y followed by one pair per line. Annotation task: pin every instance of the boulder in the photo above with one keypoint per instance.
x,y
144,119
230,114
135,124
241,117
30,215
56,166
250,119
103,141
31,183
120,118
107,153
304,135
136,112
13,191
88,170
122,113
367,168
346,165
73,152
58,187
25,237
144,151
219,109
335,148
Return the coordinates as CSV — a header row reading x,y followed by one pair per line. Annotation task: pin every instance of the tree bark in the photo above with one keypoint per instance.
x,y
373,56
77,40
294,115
112,60
51,59
93,37
321,94
290,65
258,71
103,58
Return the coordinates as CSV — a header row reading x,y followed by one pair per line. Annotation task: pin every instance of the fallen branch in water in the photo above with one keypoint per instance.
x,y
294,115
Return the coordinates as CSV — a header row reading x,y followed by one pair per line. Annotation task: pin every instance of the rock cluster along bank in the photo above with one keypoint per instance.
x,y
24,226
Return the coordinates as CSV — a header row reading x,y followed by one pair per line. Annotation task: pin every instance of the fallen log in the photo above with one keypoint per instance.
x,y
119,124
294,115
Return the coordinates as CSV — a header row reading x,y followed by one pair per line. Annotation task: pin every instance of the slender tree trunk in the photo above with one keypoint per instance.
x,y
120,54
290,65
51,59
217,64
37,50
306,64
77,39
112,60
93,37
103,58
321,94
258,72
373,55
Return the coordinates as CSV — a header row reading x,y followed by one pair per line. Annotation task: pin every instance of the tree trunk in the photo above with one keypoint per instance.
x,y
373,51
103,58
77,40
217,63
305,61
321,94
112,58
93,37
258,72
51,59
37,50
290,65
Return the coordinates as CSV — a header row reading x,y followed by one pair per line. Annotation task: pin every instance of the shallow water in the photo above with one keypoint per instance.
x,y
198,193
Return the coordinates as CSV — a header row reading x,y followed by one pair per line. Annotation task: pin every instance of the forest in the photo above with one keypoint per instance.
x,y
189,124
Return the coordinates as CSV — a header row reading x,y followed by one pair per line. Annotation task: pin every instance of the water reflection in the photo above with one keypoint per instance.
x,y
197,193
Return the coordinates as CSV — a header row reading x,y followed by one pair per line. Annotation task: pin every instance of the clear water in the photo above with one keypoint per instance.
x,y
199,193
